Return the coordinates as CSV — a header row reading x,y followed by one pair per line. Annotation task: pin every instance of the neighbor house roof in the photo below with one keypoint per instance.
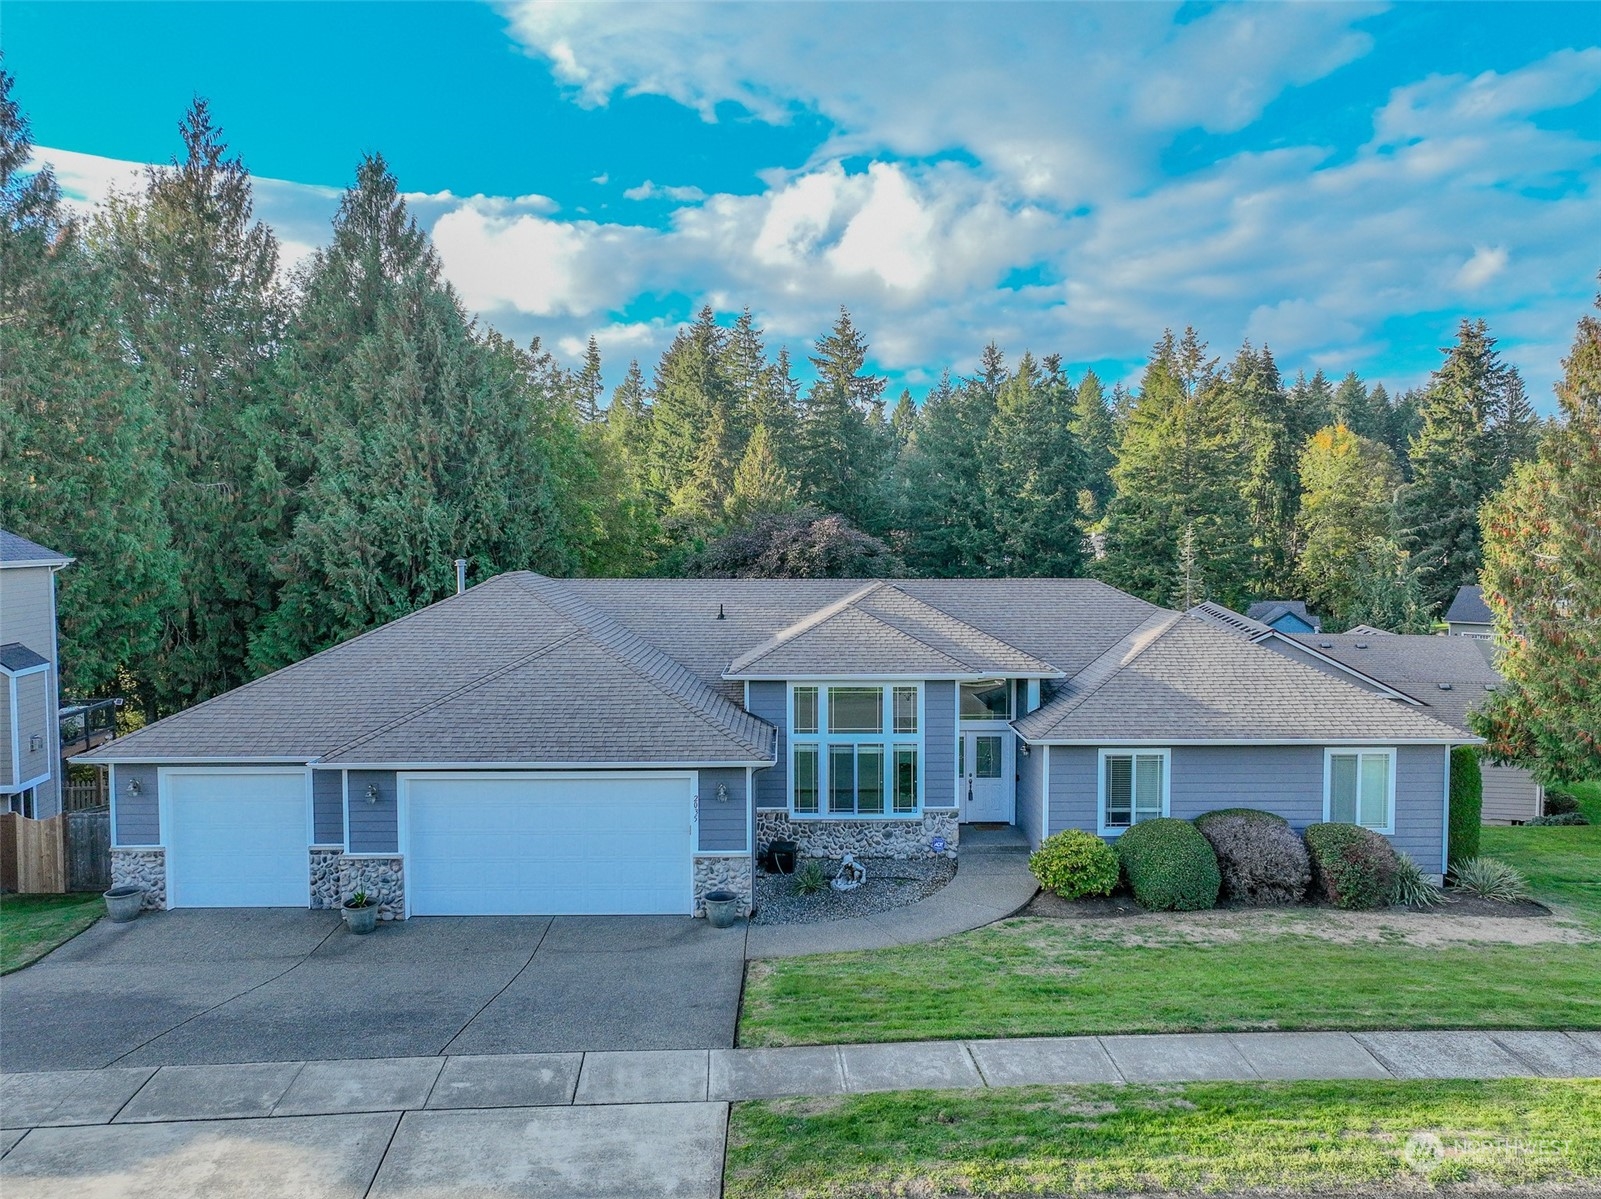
x,y
1182,677
1271,611
15,657
511,671
19,551
1469,607
1449,676
881,630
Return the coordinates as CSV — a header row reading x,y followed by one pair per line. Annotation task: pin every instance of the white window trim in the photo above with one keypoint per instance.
x,y
888,740
1102,828
1388,828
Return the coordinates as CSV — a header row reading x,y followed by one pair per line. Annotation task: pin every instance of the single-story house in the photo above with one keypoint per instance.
x,y
1287,616
1469,615
536,745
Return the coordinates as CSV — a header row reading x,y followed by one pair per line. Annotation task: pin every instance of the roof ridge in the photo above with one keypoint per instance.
x,y
956,620
672,676
805,624
457,693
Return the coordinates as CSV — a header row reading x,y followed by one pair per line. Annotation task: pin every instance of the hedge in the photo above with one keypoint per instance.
x,y
1467,805
1169,865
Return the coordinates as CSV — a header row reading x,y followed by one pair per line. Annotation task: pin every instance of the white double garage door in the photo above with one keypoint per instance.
x,y
474,844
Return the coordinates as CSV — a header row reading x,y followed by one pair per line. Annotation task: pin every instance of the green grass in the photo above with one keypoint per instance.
x,y
32,925
1032,977
1344,1137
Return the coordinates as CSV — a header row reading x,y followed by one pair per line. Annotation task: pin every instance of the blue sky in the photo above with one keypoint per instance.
x,y
1343,182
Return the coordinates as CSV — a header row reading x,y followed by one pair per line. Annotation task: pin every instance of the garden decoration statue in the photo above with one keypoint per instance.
x,y
852,874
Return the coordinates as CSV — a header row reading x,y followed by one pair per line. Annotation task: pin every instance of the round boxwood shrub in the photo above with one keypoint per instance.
x,y
1353,867
1169,866
1073,864
1259,857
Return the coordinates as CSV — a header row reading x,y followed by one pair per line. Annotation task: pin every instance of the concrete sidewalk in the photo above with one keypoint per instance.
x,y
639,1125
992,882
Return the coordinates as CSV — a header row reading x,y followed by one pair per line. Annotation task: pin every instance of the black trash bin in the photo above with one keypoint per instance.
x,y
782,855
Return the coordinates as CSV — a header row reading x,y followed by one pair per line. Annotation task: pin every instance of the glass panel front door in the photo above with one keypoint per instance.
x,y
985,785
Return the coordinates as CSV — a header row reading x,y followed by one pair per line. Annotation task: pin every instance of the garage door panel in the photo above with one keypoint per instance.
x,y
237,840
549,846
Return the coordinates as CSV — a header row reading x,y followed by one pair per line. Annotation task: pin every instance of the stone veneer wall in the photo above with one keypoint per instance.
x,y
724,874
145,868
325,877
908,838
383,877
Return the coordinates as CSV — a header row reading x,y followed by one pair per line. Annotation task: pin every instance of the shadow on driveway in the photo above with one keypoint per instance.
x,y
281,984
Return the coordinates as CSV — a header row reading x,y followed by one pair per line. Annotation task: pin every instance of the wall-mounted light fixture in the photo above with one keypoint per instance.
x,y
1023,746
722,792
35,743
372,792
135,787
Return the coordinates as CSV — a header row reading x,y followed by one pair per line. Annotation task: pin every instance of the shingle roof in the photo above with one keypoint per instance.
x,y
15,656
1417,665
1469,607
880,629
1180,677
19,551
505,672
1268,611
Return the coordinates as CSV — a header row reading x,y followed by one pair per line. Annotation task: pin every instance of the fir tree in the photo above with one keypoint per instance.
x,y
942,476
761,485
1096,430
693,400
845,442
1034,472
587,384
1358,409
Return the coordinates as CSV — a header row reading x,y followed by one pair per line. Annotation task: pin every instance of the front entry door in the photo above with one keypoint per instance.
x,y
986,782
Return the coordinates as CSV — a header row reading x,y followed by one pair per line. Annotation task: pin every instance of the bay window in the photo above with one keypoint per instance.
x,y
856,749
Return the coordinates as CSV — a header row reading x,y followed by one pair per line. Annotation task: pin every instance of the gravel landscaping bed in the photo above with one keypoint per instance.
x,y
891,883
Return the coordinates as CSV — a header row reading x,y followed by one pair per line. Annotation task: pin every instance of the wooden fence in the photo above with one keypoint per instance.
x,y
69,852
88,794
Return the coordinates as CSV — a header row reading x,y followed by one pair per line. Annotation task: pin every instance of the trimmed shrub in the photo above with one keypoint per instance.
x,y
1490,879
1560,803
1562,818
1073,864
1467,804
1169,866
1352,867
1259,857
1412,887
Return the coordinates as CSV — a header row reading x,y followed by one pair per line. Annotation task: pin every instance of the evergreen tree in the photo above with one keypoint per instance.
x,y
761,485
587,384
81,467
694,439
1349,485
194,281
1515,427
1273,428
1542,581
431,444
1359,410
1454,465
1403,419
943,477
1178,470
903,419
846,445
1035,470
1096,431
626,533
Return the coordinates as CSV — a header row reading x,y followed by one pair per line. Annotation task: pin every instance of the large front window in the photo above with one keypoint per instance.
x,y
856,749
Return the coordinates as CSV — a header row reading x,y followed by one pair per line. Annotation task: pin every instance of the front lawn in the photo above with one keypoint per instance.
x,y
1291,970
32,925
1328,1137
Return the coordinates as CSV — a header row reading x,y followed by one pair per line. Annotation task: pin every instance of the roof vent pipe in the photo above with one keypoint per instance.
x,y
720,615
461,575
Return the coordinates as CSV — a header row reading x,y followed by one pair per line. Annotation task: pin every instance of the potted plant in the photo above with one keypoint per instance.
x,y
722,908
124,902
360,912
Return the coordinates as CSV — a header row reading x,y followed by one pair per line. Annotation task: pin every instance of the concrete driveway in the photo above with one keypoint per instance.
x,y
278,984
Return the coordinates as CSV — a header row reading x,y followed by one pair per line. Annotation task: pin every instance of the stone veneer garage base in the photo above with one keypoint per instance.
x,y
724,873
145,868
909,838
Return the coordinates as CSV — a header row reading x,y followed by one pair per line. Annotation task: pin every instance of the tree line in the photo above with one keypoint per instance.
x,y
251,465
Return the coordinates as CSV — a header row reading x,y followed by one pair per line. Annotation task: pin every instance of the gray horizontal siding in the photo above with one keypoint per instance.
x,y
770,701
723,824
1510,793
1285,779
939,744
138,816
328,807
1030,782
374,827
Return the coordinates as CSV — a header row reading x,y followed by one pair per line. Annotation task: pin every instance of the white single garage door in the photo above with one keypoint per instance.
x,y
236,838
548,845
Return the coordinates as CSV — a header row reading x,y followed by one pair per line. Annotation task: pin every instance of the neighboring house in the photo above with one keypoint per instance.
x,y
30,736
1469,615
548,746
1287,616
